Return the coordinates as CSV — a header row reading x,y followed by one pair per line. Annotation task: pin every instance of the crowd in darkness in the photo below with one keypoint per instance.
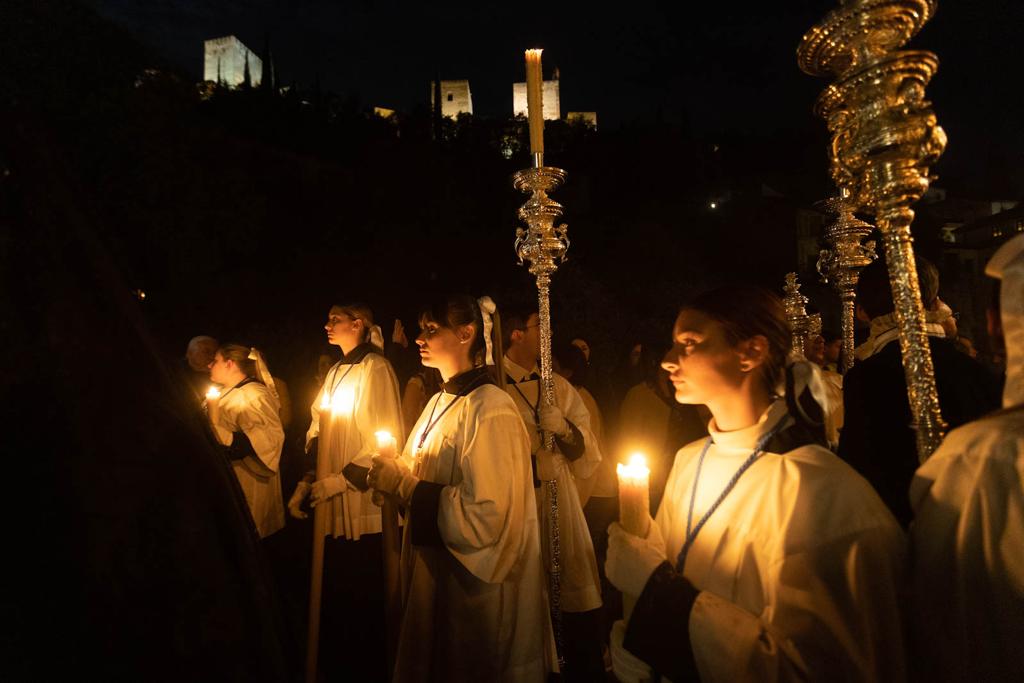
x,y
140,211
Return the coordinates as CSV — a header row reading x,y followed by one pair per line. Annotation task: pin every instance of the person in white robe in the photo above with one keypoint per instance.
x,y
359,397
769,558
246,421
474,607
577,455
968,531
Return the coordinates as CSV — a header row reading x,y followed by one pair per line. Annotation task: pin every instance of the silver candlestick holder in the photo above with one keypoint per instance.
x,y
841,263
542,245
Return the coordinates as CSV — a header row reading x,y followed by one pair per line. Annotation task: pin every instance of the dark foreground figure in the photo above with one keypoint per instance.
x,y
135,554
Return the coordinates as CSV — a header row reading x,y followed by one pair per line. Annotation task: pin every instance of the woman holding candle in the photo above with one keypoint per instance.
x,y
244,415
473,586
359,397
769,558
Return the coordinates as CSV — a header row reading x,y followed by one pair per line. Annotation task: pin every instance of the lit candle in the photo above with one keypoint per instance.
x,y
387,447
535,100
213,393
342,402
634,495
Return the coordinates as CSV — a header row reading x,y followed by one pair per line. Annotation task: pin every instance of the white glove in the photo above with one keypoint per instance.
x,y
327,488
295,502
547,464
627,668
391,476
631,559
552,420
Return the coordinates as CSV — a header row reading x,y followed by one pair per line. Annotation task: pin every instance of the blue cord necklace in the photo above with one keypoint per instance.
x,y
691,531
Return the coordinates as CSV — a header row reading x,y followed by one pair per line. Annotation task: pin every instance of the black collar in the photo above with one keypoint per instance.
x,y
357,354
247,380
529,378
795,436
466,382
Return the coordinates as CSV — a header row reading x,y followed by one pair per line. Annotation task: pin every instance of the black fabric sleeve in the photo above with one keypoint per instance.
x,y
313,454
240,447
423,508
659,629
572,449
852,437
356,474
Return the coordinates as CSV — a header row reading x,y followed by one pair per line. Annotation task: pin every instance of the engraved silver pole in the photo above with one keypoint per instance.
x,y
543,247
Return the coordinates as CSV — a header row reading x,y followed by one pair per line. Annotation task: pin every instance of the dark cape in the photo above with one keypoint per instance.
x,y
133,551
877,439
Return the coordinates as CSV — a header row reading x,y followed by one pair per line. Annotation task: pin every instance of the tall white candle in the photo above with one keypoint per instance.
x,y
634,495
535,100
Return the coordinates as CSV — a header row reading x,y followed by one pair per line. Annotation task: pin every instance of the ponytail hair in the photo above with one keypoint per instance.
x,y
745,311
240,355
360,311
495,342
457,310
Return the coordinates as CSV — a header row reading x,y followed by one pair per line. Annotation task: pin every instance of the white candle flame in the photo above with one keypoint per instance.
x,y
636,468
213,392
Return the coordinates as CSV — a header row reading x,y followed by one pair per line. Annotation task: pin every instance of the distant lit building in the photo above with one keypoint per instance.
x,y
455,98
588,118
383,112
552,106
226,59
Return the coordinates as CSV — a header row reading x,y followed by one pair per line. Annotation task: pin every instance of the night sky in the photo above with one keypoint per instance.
x,y
717,66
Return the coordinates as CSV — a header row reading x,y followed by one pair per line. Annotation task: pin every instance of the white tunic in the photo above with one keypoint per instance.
x,y
366,400
799,568
475,609
253,410
580,582
968,531
968,542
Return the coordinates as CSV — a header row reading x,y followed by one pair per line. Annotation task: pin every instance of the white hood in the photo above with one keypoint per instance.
x,y
1007,265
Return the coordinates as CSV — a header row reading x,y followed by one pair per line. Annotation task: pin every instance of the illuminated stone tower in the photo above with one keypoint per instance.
x,y
455,98
226,59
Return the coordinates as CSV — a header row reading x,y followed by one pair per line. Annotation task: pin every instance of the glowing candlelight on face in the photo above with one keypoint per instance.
x,y
387,447
213,393
535,100
634,495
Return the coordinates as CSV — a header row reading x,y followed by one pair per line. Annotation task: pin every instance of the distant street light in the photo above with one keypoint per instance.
x,y
714,205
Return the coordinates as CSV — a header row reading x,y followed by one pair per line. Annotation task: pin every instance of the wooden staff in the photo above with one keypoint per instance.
x,y
320,522
387,447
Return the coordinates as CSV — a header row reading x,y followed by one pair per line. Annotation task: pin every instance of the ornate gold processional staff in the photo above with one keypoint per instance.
x,y
543,246
841,263
884,138
802,326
